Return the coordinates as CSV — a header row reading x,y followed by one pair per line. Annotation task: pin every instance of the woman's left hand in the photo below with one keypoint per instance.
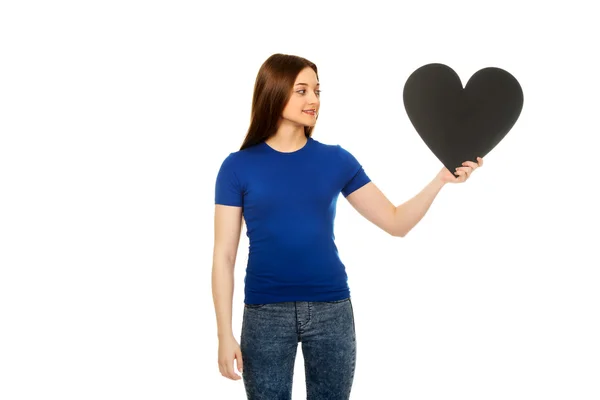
x,y
463,172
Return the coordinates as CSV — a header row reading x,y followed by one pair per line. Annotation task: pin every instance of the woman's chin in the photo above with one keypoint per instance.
x,y
310,123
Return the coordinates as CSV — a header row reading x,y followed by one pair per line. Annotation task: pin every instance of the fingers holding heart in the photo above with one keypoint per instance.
x,y
470,164
464,171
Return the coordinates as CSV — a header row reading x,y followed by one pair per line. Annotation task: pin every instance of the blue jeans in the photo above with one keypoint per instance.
x,y
269,341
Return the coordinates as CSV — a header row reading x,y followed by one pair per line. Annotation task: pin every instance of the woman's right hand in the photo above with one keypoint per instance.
x,y
229,350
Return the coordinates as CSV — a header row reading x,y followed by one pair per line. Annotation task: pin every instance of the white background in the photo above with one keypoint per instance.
x,y
116,115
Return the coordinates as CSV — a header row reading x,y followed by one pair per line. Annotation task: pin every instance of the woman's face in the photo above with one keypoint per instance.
x,y
303,106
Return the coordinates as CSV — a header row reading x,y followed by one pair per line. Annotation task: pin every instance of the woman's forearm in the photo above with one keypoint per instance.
x,y
408,214
222,289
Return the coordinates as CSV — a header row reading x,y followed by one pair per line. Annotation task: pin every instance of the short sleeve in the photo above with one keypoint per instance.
x,y
228,190
355,176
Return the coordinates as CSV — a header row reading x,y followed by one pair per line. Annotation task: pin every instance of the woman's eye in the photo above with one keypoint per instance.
x,y
318,92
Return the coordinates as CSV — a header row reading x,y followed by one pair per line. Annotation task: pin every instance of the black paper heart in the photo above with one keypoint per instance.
x,y
462,124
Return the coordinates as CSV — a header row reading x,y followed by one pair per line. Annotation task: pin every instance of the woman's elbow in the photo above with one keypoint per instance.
x,y
395,232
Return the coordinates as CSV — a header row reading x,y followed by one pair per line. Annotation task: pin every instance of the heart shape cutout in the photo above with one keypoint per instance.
x,y
460,124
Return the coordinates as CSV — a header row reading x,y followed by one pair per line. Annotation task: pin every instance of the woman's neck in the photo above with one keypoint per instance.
x,y
287,140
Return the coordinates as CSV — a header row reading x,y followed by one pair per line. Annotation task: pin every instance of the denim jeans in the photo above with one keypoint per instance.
x,y
269,342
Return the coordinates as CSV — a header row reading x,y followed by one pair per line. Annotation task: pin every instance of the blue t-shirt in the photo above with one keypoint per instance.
x,y
289,202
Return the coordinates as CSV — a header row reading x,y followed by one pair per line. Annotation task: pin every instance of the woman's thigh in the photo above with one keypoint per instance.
x,y
269,343
329,350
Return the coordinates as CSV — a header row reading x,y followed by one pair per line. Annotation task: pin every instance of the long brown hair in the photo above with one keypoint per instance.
x,y
272,90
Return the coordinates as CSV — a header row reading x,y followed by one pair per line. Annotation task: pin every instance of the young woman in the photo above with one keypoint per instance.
x,y
284,184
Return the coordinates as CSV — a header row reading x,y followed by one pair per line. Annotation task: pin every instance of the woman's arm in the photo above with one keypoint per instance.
x,y
228,226
372,204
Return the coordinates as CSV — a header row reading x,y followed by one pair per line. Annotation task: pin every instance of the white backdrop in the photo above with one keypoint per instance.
x,y
116,115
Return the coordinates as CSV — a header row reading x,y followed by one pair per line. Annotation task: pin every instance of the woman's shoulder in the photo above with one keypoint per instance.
x,y
330,147
239,158
334,149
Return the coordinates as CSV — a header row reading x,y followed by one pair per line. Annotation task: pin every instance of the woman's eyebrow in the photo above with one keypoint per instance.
x,y
305,84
